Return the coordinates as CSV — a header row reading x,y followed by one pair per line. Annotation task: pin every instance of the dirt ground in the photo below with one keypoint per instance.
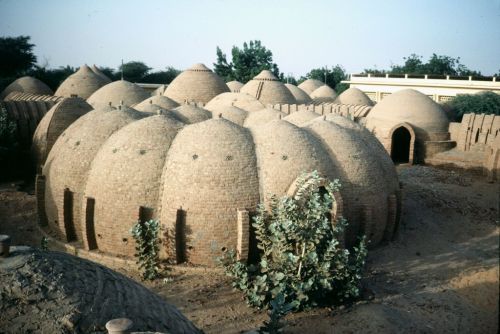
x,y
440,274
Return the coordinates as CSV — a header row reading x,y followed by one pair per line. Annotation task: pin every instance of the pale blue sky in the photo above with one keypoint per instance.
x,y
302,34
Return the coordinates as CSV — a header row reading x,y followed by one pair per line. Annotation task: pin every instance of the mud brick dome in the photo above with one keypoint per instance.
x,y
323,94
116,93
103,76
71,295
196,84
83,83
234,86
240,100
27,85
203,178
55,121
158,100
266,88
310,85
354,96
300,96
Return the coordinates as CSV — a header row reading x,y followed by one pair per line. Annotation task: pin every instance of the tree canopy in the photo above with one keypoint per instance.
x,y
246,62
436,65
482,103
17,56
134,71
331,76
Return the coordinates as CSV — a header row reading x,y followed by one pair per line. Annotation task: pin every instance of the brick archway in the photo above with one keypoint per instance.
x,y
402,143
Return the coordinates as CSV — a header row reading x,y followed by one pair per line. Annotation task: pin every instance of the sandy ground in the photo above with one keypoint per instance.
x,y
440,274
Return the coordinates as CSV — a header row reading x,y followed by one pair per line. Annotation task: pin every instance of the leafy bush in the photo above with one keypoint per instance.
x,y
301,255
10,153
147,247
482,103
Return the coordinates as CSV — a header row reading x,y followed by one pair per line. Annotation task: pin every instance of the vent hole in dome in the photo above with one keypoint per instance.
x,y
115,150
284,157
125,240
77,143
229,158
142,152
223,249
195,156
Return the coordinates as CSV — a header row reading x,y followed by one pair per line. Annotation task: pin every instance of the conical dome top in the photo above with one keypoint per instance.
x,y
103,76
266,75
82,83
199,67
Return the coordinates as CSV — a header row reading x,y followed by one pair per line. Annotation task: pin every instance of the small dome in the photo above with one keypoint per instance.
x,y
103,76
158,100
234,86
412,107
160,90
82,83
190,114
263,116
300,118
196,84
323,94
233,114
354,96
68,294
240,100
68,163
210,172
284,152
300,96
137,150
55,121
310,85
27,85
116,93
268,89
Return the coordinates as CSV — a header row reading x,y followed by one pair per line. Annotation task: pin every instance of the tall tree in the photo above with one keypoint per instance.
x,y
134,71
17,56
331,76
246,62
162,77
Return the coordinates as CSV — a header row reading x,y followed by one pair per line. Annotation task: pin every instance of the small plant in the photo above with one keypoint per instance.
x,y
278,310
44,244
147,247
301,257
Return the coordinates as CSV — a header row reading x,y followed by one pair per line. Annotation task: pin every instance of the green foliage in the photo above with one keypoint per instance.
x,y
161,77
278,310
52,77
331,76
134,71
147,247
301,256
246,62
44,244
17,56
10,152
482,103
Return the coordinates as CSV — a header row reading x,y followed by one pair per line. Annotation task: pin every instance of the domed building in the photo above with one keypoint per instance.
x,y
83,83
190,114
234,86
262,117
310,85
55,121
266,88
240,100
231,113
158,100
406,123
68,294
323,94
300,96
301,117
103,76
354,96
196,84
27,85
118,93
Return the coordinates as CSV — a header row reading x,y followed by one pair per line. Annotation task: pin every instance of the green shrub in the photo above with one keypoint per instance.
x,y
301,255
482,103
147,247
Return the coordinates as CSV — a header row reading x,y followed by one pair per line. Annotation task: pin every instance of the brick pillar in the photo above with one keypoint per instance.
x,y
243,241
40,199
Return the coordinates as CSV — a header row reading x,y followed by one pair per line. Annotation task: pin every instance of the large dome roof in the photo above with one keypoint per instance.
x,y
240,100
263,116
231,113
301,117
210,172
137,150
300,96
190,114
323,94
310,85
234,86
158,100
196,84
354,96
268,89
82,83
412,107
68,294
55,121
27,85
116,93
68,163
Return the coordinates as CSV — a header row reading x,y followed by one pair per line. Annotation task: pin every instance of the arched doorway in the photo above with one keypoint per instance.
x,y
400,145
